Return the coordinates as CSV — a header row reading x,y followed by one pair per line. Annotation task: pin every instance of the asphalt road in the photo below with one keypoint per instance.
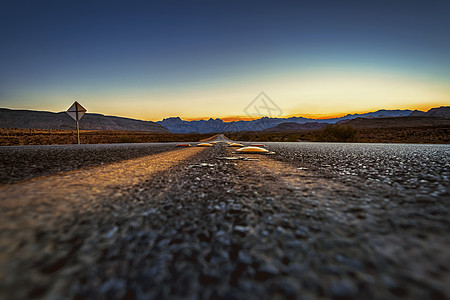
x,y
312,221
23,162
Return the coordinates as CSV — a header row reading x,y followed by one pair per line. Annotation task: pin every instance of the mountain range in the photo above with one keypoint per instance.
x,y
177,125
48,120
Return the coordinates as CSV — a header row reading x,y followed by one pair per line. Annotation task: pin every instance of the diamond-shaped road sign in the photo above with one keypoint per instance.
x,y
76,111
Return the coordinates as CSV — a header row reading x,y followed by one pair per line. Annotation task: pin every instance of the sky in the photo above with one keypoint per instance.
x,y
204,58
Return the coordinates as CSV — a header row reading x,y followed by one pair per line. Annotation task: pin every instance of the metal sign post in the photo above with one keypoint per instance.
x,y
76,111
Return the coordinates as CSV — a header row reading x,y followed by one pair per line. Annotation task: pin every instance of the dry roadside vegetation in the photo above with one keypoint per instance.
x,y
18,137
331,133
345,133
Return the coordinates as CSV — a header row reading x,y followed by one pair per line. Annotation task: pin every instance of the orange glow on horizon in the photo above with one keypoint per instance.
x,y
427,107
225,119
318,116
424,107
233,119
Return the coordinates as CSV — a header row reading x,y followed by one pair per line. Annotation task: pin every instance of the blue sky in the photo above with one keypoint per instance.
x,y
211,58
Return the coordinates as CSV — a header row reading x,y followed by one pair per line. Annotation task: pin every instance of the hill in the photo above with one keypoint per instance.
x,y
438,116
396,122
48,120
441,112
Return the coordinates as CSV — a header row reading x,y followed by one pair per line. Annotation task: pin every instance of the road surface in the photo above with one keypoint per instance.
x,y
312,221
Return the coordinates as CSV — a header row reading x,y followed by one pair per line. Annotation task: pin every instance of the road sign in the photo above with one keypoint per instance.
x,y
76,111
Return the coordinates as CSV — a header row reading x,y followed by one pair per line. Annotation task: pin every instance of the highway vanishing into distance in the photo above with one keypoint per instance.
x,y
156,221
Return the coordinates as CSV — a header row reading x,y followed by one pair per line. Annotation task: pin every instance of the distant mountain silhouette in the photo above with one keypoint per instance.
x,y
441,112
417,113
414,120
48,120
177,125
392,122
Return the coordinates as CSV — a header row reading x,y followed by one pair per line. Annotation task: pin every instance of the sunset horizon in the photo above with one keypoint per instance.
x,y
200,60
317,116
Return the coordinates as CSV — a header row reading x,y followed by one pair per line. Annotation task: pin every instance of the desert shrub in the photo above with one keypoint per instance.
x,y
337,133
292,138
127,139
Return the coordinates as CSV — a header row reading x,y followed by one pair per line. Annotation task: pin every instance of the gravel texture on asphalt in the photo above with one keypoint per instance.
x,y
417,170
22,162
211,228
